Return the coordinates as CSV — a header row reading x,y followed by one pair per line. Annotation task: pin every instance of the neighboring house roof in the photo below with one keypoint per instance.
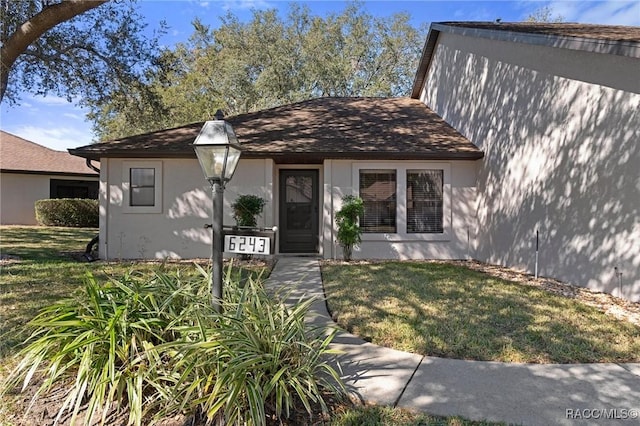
x,y
607,39
19,155
313,130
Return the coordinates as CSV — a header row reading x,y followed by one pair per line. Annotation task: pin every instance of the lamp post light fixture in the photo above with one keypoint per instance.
x,y
218,152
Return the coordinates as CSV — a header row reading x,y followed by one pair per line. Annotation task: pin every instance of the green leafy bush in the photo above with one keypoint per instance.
x,y
154,346
246,208
72,212
349,232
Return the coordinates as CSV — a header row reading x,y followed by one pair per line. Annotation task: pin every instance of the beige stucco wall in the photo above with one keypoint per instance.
x,y
341,178
177,229
560,130
19,193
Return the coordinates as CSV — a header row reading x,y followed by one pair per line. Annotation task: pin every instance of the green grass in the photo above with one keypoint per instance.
x,y
445,310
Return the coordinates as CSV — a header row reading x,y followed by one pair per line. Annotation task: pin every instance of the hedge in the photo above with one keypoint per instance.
x,y
73,212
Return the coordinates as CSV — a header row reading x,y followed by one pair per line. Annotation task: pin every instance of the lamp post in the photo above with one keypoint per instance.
x,y
218,152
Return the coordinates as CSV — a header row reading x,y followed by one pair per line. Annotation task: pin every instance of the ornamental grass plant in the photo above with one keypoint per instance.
x,y
261,359
152,346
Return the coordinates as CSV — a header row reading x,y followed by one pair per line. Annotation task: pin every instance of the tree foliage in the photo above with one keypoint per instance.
x,y
265,62
72,48
544,14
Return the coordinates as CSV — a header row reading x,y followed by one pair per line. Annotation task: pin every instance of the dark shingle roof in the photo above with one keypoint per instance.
x,y
361,128
21,155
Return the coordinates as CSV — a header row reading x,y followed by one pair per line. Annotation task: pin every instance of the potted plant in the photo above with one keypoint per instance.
x,y
349,231
247,208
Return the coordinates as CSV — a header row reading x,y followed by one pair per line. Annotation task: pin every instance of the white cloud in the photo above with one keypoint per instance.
x,y
58,138
609,12
73,116
481,14
51,100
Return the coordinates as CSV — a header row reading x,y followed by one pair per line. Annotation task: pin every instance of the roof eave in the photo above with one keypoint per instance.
x,y
425,61
594,45
51,173
293,156
612,47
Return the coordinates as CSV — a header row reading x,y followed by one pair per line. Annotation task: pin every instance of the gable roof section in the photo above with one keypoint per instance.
x,y
19,155
313,130
607,39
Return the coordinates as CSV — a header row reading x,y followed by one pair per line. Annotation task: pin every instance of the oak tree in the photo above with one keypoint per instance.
x,y
267,61
72,48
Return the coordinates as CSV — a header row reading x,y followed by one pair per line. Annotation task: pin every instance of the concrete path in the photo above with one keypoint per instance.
x,y
527,394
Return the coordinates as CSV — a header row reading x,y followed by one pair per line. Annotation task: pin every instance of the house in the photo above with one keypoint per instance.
x,y
512,131
302,159
30,172
556,110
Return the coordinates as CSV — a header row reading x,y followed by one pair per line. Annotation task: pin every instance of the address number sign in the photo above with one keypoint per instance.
x,y
246,244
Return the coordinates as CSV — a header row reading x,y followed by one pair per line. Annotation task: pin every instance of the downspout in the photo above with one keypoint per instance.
x,y
95,240
91,166
104,177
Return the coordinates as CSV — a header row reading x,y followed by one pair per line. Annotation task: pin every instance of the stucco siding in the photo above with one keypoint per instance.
x,y
175,227
19,193
560,131
177,230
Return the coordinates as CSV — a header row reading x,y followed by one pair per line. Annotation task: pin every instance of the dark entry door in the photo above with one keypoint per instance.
x,y
298,211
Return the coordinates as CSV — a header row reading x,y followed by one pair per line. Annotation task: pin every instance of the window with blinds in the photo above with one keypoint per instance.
x,y
378,192
424,201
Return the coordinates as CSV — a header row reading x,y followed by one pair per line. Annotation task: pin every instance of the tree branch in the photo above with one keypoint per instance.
x,y
33,28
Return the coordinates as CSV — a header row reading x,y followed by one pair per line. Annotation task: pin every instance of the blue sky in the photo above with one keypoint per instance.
x,y
53,122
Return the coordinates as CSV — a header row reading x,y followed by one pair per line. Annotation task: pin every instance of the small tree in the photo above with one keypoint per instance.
x,y
246,209
349,231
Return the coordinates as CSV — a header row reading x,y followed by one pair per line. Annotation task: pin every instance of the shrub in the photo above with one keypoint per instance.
x,y
246,208
153,345
261,358
349,231
104,340
72,212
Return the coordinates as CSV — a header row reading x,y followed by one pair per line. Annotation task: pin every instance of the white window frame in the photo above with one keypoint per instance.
x,y
401,169
126,186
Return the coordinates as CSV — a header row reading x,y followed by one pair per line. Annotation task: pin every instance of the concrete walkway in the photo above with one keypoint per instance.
x,y
528,394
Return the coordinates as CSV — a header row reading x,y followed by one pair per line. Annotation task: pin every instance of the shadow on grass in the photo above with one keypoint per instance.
x,y
450,311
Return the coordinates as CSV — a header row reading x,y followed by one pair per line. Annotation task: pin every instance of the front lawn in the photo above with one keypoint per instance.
x,y
440,309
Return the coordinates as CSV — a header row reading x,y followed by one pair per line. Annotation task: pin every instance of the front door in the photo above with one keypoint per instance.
x,y
298,211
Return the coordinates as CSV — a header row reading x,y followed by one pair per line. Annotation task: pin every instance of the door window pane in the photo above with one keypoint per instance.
x,y
299,189
378,192
424,201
